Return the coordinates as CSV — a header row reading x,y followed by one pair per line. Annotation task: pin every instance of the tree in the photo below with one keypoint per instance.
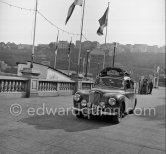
x,y
3,66
52,46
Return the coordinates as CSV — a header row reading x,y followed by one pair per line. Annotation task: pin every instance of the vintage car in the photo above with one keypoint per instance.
x,y
112,94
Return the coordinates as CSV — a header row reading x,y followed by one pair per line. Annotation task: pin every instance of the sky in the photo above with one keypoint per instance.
x,y
129,21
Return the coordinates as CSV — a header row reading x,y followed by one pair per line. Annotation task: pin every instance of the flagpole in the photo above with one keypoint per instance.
x,y
79,53
56,50
34,34
69,57
106,39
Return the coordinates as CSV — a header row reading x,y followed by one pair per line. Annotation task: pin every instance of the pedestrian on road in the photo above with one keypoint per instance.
x,y
150,87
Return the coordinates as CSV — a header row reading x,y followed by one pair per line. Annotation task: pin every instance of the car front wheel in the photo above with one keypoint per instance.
x,y
120,112
79,114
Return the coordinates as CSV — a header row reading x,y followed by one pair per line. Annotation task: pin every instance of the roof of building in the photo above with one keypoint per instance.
x,y
45,66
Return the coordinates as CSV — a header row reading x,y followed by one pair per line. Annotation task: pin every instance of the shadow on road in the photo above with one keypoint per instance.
x,y
68,122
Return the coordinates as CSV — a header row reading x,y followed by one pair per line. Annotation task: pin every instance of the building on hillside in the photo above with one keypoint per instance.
x,y
97,52
46,72
140,47
77,44
86,44
95,44
63,44
130,47
153,49
24,46
43,45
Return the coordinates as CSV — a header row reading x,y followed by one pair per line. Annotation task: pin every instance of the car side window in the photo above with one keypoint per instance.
x,y
128,84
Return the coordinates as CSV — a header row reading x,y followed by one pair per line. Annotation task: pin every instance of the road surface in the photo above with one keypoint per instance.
x,y
28,127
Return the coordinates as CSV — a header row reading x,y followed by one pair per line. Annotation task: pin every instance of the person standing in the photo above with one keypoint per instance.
x,y
150,87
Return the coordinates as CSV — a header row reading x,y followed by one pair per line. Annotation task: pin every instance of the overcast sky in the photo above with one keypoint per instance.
x,y
129,21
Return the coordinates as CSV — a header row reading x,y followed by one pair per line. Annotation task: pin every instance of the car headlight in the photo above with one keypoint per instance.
x,y
84,102
112,101
77,97
102,104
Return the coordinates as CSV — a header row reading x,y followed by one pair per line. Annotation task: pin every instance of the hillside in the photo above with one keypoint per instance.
x,y
139,63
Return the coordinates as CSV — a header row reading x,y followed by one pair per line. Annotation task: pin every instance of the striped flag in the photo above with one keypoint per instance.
x,y
103,22
71,9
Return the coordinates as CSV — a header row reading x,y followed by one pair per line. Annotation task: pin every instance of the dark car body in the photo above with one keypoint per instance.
x,y
113,94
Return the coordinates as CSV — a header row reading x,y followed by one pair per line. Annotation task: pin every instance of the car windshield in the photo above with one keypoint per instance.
x,y
108,82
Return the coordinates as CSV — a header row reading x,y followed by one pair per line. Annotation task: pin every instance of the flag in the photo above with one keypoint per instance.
x,y
103,22
71,9
78,2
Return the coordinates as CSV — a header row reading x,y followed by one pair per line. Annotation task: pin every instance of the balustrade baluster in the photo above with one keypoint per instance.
x,y
43,86
52,86
9,86
49,86
0,86
12,86
40,86
22,86
5,86
16,86
55,86
19,86
64,86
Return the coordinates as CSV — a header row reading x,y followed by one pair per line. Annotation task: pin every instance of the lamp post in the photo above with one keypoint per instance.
x,y
115,46
34,34
87,61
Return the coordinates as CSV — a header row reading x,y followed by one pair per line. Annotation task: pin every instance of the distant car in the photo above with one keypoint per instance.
x,y
113,94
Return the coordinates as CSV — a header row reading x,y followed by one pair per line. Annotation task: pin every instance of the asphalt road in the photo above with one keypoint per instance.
x,y
31,129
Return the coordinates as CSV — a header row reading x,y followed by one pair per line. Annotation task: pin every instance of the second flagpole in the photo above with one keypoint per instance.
x,y
106,40
79,53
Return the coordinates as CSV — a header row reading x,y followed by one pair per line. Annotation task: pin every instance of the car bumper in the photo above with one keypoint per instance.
x,y
91,112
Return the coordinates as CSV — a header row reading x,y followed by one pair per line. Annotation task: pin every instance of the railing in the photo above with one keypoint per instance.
x,y
66,86
47,86
9,85
22,87
55,88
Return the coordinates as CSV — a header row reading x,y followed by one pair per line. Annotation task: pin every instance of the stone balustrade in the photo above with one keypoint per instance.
x,y
14,86
47,86
55,88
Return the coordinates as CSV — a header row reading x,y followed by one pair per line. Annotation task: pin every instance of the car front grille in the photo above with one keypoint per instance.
x,y
94,97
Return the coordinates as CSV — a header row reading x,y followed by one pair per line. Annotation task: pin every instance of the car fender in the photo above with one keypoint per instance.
x,y
125,100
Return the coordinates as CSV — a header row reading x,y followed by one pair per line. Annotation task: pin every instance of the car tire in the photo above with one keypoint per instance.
x,y
117,118
79,114
132,111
